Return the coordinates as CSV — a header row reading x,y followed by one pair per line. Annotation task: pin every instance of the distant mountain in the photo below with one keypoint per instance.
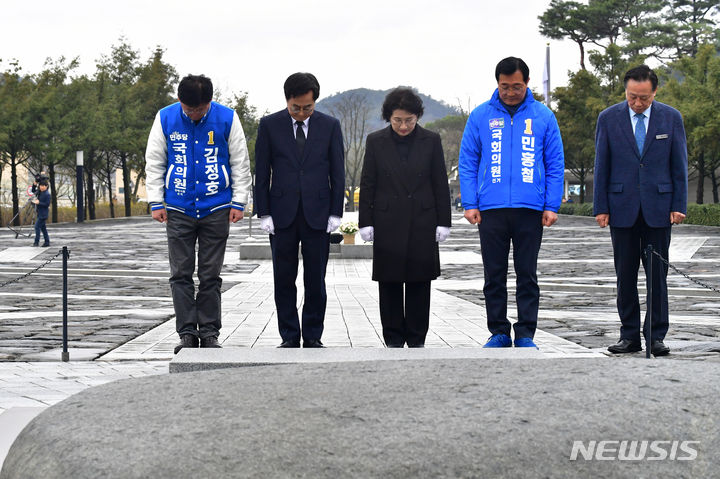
x,y
434,109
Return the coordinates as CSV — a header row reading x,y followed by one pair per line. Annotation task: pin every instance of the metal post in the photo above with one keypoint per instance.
x,y
79,186
65,353
648,321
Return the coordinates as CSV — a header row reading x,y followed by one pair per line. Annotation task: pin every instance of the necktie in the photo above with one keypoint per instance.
x,y
640,131
300,137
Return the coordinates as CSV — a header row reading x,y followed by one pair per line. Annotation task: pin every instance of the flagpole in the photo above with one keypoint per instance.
x,y
546,75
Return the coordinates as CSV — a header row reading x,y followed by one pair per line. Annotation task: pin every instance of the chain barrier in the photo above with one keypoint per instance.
x,y
19,278
696,281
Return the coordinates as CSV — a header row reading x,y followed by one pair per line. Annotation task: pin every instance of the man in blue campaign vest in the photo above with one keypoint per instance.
x,y
198,181
511,169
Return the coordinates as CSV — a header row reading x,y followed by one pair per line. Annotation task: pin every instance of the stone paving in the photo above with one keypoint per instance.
x,y
352,318
121,315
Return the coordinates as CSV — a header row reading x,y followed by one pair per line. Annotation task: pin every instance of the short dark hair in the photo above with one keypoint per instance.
x,y
299,84
402,98
43,183
641,74
195,90
510,65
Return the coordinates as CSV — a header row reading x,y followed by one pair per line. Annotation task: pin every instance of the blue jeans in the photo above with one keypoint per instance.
x,y
40,227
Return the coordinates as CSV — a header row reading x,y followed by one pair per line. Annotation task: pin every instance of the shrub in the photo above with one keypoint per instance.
x,y
708,215
66,214
579,209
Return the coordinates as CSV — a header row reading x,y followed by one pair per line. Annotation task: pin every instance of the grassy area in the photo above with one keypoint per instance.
x,y
67,214
708,215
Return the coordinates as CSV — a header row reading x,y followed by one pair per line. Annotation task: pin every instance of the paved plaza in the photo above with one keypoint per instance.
x,y
121,322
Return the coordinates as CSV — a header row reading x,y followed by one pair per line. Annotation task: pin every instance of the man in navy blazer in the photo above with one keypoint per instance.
x,y
640,191
299,188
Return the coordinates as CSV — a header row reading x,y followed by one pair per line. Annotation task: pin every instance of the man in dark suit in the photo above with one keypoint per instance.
x,y
299,188
640,191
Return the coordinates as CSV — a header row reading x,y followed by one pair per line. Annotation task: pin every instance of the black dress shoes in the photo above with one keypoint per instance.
x,y
659,348
625,346
187,341
312,343
290,344
210,342
391,345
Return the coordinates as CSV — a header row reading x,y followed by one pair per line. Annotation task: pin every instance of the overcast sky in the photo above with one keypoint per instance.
x,y
446,49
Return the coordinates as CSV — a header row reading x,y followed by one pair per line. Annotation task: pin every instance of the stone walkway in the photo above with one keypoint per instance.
x,y
352,318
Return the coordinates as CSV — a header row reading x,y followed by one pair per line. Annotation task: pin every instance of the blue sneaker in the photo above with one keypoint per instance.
x,y
525,343
498,341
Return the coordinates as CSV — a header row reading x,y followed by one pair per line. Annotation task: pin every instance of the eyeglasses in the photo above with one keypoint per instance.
x,y
406,121
198,109
304,109
514,88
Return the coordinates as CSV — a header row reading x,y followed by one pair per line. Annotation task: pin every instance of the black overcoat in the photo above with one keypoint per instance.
x,y
404,202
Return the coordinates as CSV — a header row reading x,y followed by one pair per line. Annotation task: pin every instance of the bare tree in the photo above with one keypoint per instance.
x,y
352,111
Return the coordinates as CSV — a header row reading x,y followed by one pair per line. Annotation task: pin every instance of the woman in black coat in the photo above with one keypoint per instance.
x,y
405,211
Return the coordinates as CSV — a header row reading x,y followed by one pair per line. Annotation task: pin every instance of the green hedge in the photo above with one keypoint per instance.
x,y
708,215
579,209
68,213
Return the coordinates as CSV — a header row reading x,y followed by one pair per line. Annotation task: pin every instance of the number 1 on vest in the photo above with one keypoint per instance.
x,y
211,135
528,127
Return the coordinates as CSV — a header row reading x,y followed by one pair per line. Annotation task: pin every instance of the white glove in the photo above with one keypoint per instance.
x,y
367,233
333,223
441,233
266,224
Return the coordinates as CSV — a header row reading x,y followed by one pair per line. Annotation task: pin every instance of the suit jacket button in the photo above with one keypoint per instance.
x,y
409,196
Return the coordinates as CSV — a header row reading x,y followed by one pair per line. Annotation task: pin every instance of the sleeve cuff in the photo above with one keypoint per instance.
x,y
156,206
238,206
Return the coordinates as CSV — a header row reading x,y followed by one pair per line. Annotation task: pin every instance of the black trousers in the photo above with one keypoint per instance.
x,y
498,229
404,319
315,247
628,247
197,315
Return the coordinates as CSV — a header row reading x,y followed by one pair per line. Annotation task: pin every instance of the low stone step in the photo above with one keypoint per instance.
x,y
203,359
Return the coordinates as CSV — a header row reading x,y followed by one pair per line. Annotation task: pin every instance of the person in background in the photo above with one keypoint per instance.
x,y
405,212
42,205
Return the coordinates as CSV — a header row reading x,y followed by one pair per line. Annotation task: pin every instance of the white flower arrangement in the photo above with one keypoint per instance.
x,y
349,228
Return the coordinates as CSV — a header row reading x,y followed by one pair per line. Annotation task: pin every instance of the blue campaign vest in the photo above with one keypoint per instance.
x,y
197,181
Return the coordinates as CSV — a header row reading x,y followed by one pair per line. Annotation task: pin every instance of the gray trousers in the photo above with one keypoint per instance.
x,y
197,315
